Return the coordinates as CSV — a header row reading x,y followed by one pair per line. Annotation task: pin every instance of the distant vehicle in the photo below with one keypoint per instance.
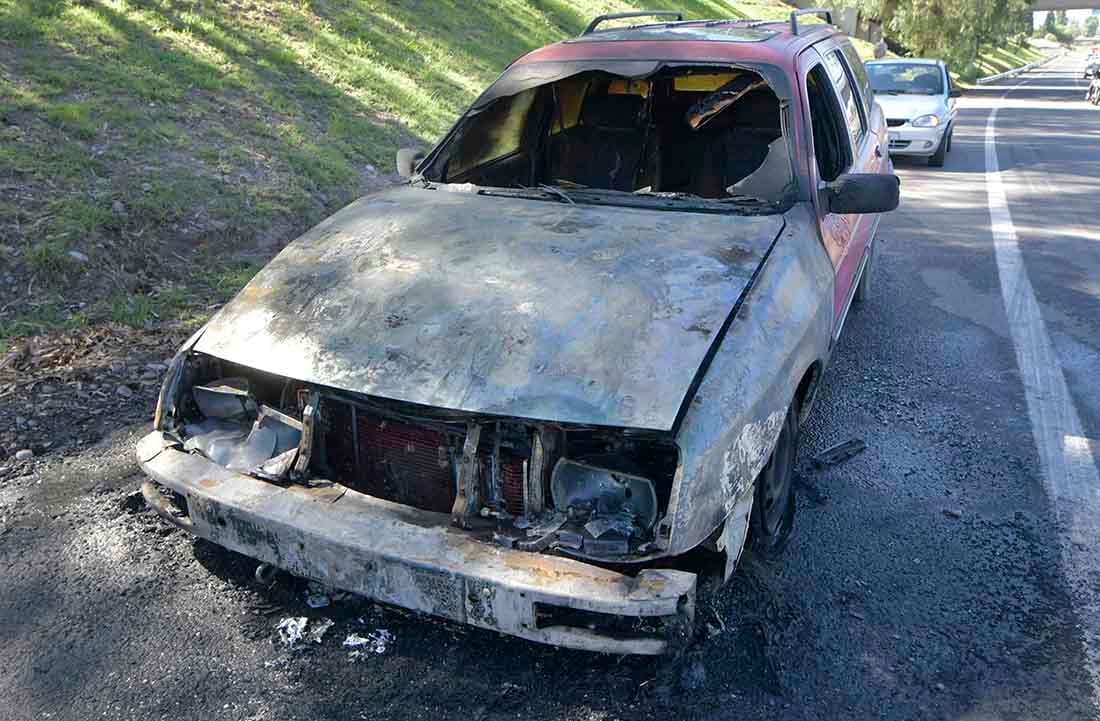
x,y
919,102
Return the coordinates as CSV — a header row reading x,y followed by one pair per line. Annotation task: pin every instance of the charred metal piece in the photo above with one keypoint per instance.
x,y
835,455
309,422
544,450
466,500
606,493
227,399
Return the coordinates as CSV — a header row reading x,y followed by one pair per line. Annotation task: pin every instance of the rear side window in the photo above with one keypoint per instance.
x,y
859,74
849,100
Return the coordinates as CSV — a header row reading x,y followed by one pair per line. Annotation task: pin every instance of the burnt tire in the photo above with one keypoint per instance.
x,y
937,159
773,504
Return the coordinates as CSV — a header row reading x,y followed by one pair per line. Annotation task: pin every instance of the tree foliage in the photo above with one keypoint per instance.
x,y
948,29
1091,24
1049,24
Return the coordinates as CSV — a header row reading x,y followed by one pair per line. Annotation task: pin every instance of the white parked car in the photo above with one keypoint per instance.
x,y
919,102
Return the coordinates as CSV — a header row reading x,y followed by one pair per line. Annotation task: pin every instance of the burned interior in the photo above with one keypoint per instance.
x,y
583,491
697,131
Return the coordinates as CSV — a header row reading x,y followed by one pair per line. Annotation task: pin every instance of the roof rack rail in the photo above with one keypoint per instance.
x,y
826,15
622,16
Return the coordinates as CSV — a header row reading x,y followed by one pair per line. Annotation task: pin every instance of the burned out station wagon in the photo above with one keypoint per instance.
x,y
575,345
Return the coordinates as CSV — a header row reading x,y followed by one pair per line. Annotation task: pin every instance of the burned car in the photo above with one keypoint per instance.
x,y
577,344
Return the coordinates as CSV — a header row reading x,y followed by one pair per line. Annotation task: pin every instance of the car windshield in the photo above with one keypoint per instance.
x,y
906,78
688,138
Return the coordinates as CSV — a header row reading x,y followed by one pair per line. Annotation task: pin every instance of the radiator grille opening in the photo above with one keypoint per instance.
x,y
410,464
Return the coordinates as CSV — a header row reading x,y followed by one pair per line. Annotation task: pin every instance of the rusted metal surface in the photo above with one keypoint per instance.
x,y
415,559
732,422
466,500
570,313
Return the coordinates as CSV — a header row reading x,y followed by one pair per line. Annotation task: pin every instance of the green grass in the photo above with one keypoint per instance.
x,y
50,258
178,144
993,60
998,60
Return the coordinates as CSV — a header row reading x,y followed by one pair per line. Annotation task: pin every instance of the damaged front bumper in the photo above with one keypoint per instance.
x,y
417,560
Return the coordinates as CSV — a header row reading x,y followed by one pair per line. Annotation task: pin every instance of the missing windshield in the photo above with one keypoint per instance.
x,y
702,137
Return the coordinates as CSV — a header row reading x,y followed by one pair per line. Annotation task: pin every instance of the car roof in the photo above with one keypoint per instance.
x,y
759,41
906,61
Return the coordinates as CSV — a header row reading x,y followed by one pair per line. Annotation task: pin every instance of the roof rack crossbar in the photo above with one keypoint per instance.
x,y
623,16
823,13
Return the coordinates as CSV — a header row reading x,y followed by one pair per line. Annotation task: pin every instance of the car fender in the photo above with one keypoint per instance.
x,y
729,427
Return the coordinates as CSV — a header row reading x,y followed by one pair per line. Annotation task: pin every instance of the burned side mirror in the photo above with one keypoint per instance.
x,y
862,193
955,93
407,160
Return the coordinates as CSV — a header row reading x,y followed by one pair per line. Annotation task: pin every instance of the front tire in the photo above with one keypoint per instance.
x,y
773,505
937,159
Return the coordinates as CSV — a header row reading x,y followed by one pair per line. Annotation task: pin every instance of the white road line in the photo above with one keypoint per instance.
x,y
1068,467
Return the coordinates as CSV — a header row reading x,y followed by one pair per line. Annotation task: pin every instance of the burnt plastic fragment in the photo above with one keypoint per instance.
x,y
839,453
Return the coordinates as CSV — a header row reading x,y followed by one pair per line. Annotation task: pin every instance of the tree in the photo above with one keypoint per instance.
x,y
949,29
1091,23
1049,25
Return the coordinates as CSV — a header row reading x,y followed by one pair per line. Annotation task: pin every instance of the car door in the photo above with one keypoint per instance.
x,y
840,119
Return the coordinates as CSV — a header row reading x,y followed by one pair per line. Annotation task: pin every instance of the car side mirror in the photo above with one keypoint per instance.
x,y
862,193
407,160
955,93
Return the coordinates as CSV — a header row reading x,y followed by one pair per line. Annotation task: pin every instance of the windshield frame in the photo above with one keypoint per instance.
x,y
525,76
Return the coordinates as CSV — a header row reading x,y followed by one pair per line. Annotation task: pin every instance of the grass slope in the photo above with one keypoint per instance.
x,y
154,152
994,60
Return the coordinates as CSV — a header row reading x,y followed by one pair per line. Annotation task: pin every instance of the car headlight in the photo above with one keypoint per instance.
x,y
169,389
926,121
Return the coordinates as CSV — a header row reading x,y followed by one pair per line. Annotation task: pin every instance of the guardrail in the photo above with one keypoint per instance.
x,y
1017,71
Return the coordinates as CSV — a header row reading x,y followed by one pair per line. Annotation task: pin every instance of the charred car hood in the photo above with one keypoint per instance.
x,y
526,308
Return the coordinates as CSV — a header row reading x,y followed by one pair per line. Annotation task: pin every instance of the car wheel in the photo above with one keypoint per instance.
x,y
950,138
773,503
937,158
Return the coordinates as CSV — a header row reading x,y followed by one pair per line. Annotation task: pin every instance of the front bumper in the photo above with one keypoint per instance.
x,y
920,142
417,560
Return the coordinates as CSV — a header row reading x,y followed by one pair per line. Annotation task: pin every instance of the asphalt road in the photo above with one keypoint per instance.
x,y
944,573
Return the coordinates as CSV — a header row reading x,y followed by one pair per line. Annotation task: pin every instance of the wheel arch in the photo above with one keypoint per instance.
x,y
806,392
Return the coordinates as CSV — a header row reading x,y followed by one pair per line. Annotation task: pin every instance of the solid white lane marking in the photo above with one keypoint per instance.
x,y
1066,461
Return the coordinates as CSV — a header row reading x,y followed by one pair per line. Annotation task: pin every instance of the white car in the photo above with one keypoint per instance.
x,y
919,102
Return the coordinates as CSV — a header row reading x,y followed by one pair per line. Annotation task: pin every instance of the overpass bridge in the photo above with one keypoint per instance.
x,y
1064,4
